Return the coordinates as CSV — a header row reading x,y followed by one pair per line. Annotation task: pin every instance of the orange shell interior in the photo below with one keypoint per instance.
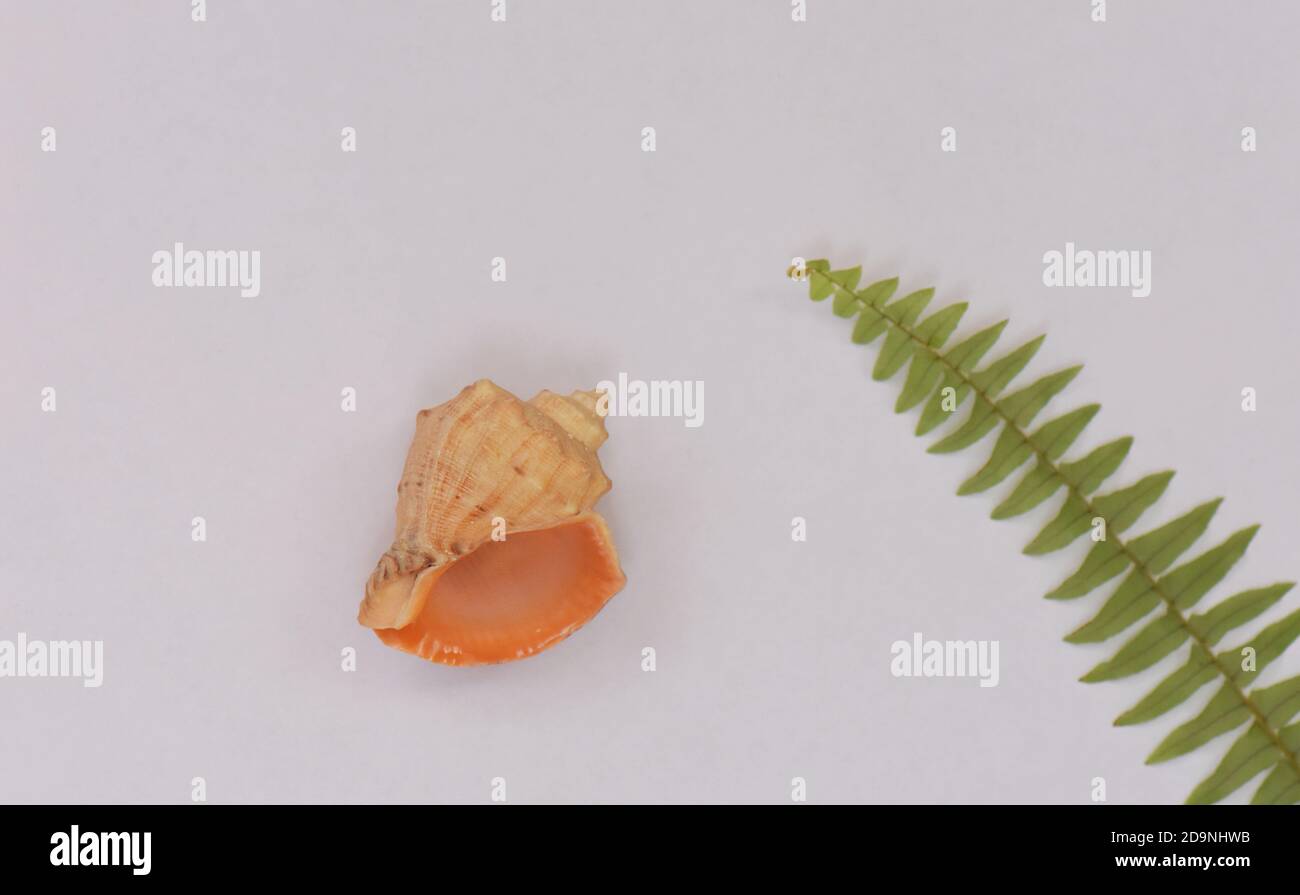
x,y
512,598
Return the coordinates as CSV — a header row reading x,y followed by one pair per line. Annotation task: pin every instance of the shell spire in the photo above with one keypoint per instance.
x,y
577,414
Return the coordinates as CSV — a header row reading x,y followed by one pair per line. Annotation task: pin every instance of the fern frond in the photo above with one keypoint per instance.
x,y
942,381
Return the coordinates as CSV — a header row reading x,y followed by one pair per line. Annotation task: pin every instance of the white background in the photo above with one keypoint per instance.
x,y
522,140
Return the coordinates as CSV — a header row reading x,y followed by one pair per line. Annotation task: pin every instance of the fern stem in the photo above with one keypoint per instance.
x,y
1259,718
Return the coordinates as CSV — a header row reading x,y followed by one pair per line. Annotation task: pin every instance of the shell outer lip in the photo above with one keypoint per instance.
x,y
451,654
383,613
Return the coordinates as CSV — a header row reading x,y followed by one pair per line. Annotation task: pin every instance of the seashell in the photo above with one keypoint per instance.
x,y
486,462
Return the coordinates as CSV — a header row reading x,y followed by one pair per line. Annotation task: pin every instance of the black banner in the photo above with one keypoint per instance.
x,y
212,843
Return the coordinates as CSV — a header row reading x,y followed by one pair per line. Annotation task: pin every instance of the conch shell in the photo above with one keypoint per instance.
x,y
487,464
